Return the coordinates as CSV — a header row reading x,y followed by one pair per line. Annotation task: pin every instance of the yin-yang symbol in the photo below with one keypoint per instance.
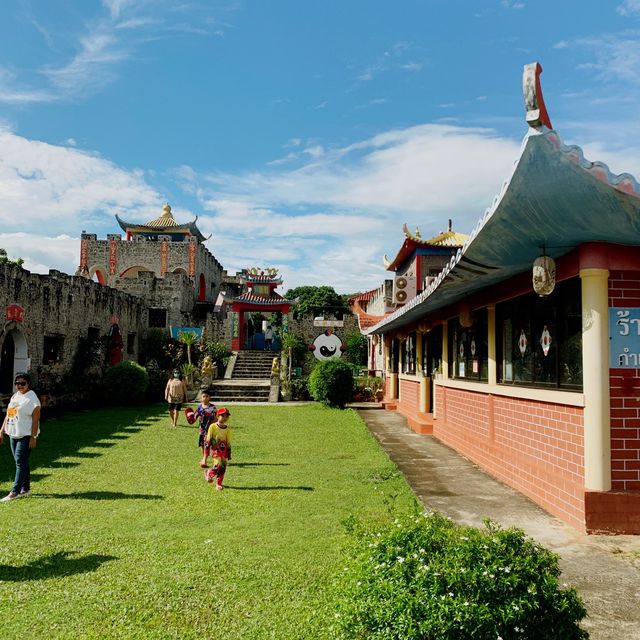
x,y
327,345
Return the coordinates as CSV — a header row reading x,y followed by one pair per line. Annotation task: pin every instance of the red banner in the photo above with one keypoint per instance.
x,y
164,257
15,312
113,254
84,253
192,258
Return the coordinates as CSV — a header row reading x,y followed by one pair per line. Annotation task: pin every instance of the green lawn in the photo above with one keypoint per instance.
x,y
123,538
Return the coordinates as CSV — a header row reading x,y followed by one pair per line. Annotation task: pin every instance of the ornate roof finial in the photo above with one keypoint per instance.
x,y
533,101
166,210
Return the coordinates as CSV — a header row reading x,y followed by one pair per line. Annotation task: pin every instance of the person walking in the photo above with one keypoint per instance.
x,y
175,394
219,441
207,414
22,425
268,338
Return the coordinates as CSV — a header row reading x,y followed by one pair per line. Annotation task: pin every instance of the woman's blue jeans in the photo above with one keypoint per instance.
x,y
21,453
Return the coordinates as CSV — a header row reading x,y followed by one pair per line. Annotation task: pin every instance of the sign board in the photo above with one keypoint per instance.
x,y
176,331
624,337
321,322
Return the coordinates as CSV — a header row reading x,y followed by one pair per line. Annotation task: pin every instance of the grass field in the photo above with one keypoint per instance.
x,y
123,538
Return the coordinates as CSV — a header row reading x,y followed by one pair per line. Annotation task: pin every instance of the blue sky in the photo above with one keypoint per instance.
x,y
302,133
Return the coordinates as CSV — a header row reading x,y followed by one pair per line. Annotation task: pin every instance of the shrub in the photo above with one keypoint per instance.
x,y
425,577
331,382
357,349
367,387
126,383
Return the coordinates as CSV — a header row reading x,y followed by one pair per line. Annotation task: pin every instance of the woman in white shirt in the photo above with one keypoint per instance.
x,y
22,425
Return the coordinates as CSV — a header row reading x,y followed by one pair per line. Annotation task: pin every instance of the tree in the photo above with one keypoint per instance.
x,y
315,299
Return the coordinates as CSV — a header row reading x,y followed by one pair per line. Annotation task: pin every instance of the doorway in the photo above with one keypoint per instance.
x,y
13,359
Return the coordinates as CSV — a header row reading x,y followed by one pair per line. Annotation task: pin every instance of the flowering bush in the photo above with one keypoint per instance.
x,y
424,577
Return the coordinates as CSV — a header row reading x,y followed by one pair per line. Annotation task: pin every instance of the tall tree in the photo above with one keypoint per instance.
x,y
315,299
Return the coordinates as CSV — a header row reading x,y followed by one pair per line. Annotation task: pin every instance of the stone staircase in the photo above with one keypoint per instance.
x,y
254,365
250,380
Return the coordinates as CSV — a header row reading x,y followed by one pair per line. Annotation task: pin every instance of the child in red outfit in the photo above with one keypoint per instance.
x,y
207,414
219,442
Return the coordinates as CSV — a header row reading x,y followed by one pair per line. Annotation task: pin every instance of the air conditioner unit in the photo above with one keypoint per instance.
x,y
404,288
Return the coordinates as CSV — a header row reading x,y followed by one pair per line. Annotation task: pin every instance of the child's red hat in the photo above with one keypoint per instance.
x,y
223,411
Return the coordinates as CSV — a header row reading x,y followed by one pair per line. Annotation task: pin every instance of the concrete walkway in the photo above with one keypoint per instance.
x,y
604,569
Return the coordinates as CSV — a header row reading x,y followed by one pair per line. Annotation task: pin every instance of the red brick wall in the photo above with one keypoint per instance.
x,y
535,447
409,392
624,291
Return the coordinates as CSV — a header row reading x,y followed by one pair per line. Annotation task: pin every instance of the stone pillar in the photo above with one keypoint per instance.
x,y
491,344
595,378
392,391
445,351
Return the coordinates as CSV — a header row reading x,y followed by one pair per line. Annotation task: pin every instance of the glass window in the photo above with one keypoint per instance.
x,y
409,354
468,348
539,339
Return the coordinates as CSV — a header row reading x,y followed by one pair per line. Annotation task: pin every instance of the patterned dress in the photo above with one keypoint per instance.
x,y
207,417
219,441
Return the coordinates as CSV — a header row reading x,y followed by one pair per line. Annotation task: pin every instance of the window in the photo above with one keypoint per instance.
x,y
539,339
157,318
131,343
468,348
408,354
52,349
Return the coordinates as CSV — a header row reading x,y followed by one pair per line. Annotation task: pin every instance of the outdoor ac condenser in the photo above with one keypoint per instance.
x,y
404,288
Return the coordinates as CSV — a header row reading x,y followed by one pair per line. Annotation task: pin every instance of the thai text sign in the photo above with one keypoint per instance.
x,y
624,337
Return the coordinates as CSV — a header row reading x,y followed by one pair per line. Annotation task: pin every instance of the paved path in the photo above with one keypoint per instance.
x,y
604,569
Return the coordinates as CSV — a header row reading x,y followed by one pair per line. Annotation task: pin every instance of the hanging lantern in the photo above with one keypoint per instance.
x,y
544,275
465,316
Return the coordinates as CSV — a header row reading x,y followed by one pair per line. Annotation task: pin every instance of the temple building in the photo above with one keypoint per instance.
x,y
258,298
162,261
415,266
523,352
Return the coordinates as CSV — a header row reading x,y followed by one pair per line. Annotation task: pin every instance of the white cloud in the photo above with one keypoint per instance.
x,y
331,219
62,187
612,56
41,252
629,7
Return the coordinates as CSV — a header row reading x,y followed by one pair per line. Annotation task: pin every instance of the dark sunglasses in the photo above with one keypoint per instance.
x,y
20,383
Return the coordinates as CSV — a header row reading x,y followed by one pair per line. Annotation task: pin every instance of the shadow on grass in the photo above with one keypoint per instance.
x,y
268,488
65,437
102,495
261,464
53,566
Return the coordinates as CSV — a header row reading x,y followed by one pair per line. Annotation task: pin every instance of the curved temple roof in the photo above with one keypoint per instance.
x,y
164,223
555,199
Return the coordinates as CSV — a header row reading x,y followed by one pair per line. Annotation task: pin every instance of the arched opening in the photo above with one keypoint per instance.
x,y
13,359
180,270
98,274
134,272
202,290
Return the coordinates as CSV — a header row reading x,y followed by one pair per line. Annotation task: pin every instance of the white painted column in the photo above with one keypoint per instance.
x,y
595,379
491,344
392,393
423,390
445,351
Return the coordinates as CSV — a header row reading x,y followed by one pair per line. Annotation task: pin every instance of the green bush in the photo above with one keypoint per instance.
x,y
424,577
357,349
126,383
331,382
367,387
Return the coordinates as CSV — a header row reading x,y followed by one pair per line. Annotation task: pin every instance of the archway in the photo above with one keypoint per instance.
x,y
202,289
98,274
13,359
134,272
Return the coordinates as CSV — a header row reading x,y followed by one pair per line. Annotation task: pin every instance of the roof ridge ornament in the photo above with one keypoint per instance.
x,y
537,115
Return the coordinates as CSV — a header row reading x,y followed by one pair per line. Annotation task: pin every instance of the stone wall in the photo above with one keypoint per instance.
x,y
127,257
57,311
